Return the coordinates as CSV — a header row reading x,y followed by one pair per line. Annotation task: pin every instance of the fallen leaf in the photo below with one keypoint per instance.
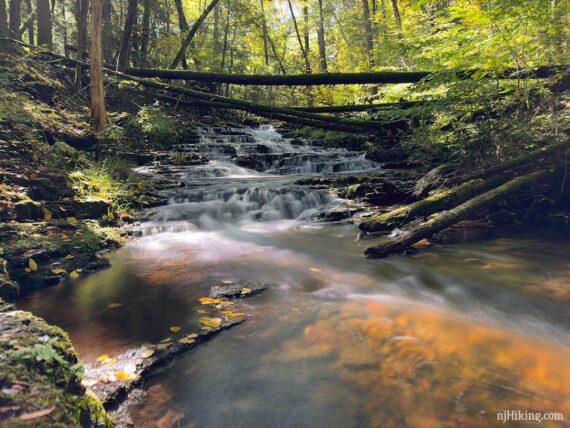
x,y
162,346
32,265
201,311
147,354
47,214
227,282
210,322
187,340
114,305
245,290
175,329
72,220
58,271
74,275
35,415
123,375
314,269
105,359
69,257
206,300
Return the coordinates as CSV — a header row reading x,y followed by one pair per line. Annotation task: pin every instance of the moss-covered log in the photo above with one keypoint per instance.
x,y
379,77
445,219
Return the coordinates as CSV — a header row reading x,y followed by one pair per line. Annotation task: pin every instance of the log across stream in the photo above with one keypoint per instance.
x,y
450,335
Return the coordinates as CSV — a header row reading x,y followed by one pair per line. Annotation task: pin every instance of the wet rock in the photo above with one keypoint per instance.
x,y
40,376
237,289
9,289
28,210
80,209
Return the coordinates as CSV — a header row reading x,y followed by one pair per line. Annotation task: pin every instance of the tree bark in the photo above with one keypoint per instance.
x,y
183,25
264,32
299,39
29,23
182,51
15,17
107,32
81,11
44,24
145,36
4,32
384,77
98,110
397,17
321,38
361,107
125,50
447,218
368,34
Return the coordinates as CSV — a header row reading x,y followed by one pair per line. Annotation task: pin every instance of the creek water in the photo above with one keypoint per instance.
x,y
446,337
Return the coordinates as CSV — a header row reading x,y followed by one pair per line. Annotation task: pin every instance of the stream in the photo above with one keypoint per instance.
x,y
446,337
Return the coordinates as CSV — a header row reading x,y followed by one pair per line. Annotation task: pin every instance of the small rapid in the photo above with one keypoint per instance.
x,y
446,337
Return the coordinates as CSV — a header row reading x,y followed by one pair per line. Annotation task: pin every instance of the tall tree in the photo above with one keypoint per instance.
x,y
125,49
264,32
397,17
15,18
81,12
321,39
45,30
3,26
368,33
183,25
29,23
188,40
107,31
299,39
145,33
98,110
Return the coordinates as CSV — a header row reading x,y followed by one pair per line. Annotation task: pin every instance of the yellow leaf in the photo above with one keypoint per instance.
x,y
72,220
69,257
32,265
110,215
188,339
103,357
227,282
47,214
210,322
314,269
162,346
122,375
74,275
206,300
201,311
175,329
245,290
147,354
58,271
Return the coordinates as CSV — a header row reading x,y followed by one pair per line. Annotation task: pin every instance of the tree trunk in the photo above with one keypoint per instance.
x,y
369,35
306,27
299,39
15,18
98,110
182,51
44,24
397,17
183,25
264,32
107,32
384,77
81,11
321,38
4,44
145,33
125,50
447,218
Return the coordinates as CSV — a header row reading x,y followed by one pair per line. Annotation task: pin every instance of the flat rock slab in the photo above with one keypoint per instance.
x,y
112,379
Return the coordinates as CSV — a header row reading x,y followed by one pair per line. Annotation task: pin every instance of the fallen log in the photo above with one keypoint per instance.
x,y
478,182
361,107
380,77
445,219
424,208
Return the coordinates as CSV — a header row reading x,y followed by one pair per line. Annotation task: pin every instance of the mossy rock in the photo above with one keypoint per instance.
x,y
40,377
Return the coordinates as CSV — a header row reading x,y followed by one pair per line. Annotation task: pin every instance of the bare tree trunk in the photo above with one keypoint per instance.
x,y
107,32
368,34
216,35
183,25
397,17
264,32
306,26
125,50
182,51
299,39
145,33
64,19
98,110
44,24
4,32
30,27
81,11
15,18
321,38
226,34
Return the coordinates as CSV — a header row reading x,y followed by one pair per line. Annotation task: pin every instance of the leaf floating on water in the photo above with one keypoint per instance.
x,y
188,339
106,359
69,257
175,329
206,300
35,415
114,305
32,265
227,282
210,322
58,271
314,269
162,346
245,290
74,275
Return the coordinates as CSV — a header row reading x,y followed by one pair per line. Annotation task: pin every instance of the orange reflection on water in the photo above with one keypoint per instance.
x,y
426,367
